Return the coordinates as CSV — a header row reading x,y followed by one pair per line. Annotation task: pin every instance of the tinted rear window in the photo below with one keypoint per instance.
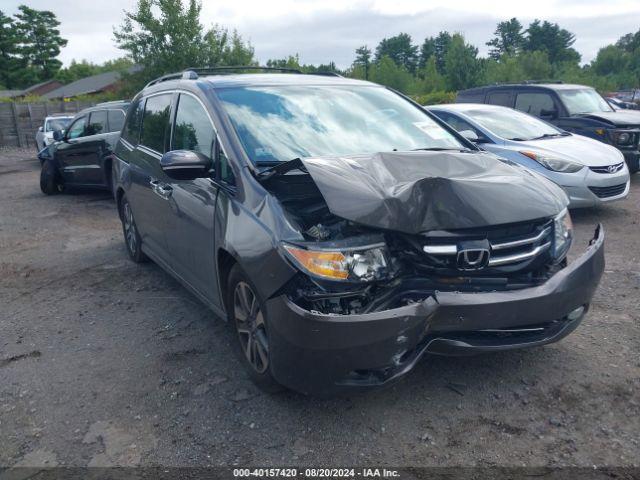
x,y
535,103
116,120
97,122
131,132
500,98
155,122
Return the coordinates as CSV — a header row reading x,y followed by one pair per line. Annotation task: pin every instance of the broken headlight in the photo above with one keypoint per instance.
x,y
563,232
359,264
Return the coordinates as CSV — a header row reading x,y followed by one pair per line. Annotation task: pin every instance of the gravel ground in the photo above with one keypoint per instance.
x,y
105,362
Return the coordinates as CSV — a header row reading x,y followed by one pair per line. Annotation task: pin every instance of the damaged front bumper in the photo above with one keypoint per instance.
x,y
318,353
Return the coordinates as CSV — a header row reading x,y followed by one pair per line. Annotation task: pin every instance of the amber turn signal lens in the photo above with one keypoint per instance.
x,y
324,264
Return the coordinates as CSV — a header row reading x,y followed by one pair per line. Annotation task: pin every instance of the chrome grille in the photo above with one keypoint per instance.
x,y
608,169
504,251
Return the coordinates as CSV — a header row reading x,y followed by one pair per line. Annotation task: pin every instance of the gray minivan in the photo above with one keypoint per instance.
x,y
344,231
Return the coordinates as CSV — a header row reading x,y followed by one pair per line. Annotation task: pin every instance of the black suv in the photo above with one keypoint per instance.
x,y
574,108
81,155
342,229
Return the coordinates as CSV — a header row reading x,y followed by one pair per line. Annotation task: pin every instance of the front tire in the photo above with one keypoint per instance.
x,y
49,179
248,317
132,239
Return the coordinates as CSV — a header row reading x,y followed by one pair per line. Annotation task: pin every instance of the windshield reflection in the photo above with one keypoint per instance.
x,y
286,122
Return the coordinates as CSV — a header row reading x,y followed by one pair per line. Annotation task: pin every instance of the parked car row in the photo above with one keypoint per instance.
x,y
82,153
590,172
573,108
52,123
342,229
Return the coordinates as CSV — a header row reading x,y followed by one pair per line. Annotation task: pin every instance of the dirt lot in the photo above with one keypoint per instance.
x,y
106,362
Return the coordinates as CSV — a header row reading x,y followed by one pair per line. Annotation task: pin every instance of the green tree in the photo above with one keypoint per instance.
x,y
400,49
429,79
8,49
462,67
389,73
427,50
77,70
166,36
39,43
508,39
555,41
611,60
441,46
224,48
535,65
505,69
292,61
363,60
629,42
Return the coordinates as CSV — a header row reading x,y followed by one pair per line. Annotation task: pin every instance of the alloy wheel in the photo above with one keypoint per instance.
x,y
129,227
251,328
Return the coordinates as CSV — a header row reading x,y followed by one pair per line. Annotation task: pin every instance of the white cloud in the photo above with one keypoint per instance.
x,y
324,30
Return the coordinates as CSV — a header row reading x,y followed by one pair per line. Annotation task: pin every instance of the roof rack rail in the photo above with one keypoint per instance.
x,y
110,102
326,74
535,82
235,68
525,82
192,73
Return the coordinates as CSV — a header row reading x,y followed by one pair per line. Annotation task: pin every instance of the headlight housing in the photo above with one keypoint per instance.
x,y
624,138
563,234
554,164
358,264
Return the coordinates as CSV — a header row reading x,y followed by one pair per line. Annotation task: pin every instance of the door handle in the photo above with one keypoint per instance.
x,y
161,189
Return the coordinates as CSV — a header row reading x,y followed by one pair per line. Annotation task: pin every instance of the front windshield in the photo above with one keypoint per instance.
x,y
512,125
54,124
281,123
583,100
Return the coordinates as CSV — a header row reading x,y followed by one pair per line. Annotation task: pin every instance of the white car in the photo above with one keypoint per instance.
x,y
44,137
589,171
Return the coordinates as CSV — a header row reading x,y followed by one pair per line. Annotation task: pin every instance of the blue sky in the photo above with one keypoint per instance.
x,y
324,30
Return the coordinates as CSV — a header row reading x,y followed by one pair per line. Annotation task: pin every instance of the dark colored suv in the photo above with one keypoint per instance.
x,y
81,155
342,229
574,108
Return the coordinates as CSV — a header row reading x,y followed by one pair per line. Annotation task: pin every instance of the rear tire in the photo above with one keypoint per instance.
x,y
49,179
132,239
248,319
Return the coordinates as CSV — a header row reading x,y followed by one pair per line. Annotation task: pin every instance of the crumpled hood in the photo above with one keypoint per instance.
x,y
415,192
619,118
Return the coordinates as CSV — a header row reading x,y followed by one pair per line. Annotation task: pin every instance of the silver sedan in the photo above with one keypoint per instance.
x,y
590,172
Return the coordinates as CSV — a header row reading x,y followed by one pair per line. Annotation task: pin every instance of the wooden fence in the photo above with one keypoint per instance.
x,y
19,122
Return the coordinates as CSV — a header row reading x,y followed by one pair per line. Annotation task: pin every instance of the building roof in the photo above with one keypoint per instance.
x,y
42,87
10,93
92,84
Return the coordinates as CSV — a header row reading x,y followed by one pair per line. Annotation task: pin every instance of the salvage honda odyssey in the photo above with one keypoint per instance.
x,y
344,231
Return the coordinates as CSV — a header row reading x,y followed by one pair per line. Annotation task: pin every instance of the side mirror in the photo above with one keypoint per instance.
x,y
185,164
41,129
470,135
58,135
549,114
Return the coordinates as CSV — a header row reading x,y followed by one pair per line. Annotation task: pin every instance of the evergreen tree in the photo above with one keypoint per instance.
x,y
461,64
508,39
400,49
555,41
39,43
8,49
363,60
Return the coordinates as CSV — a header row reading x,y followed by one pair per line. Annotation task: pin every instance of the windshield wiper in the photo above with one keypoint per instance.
x,y
280,168
550,135
442,149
